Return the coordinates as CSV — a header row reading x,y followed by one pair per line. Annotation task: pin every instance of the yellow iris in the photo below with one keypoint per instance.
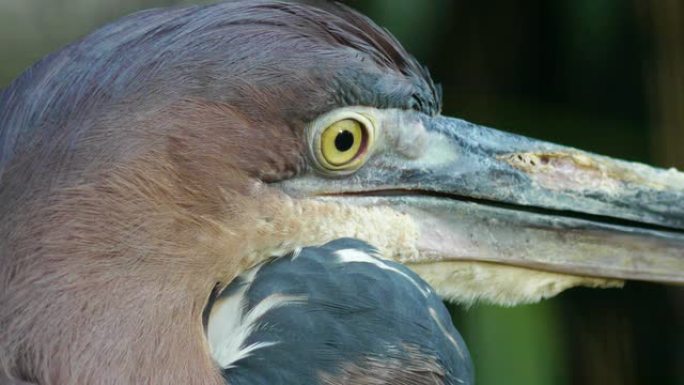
x,y
341,142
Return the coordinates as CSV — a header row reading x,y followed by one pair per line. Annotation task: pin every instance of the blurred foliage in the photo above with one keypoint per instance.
x,y
607,76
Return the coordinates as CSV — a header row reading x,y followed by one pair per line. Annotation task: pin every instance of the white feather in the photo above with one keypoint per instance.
x,y
229,326
355,255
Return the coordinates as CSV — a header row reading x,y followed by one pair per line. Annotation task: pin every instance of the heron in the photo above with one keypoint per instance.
x,y
266,192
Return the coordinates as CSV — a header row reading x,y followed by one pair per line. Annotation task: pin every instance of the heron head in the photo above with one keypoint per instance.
x,y
150,163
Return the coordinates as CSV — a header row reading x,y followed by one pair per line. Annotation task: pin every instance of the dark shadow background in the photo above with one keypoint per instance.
x,y
603,75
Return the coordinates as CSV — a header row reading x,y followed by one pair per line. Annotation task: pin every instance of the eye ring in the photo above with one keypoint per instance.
x,y
341,142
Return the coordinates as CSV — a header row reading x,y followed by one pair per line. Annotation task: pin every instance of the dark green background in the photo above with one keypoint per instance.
x,y
603,75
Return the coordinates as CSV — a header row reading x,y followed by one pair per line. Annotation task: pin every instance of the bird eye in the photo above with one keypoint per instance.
x,y
341,140
343,144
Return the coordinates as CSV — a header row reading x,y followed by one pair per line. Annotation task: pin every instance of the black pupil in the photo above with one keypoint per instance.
x,y
344,141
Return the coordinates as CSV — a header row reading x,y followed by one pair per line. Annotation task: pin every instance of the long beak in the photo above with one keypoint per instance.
x,y
518,201
479,194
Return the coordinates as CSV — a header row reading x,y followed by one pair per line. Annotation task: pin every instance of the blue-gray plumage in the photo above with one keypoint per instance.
x,y
337,314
